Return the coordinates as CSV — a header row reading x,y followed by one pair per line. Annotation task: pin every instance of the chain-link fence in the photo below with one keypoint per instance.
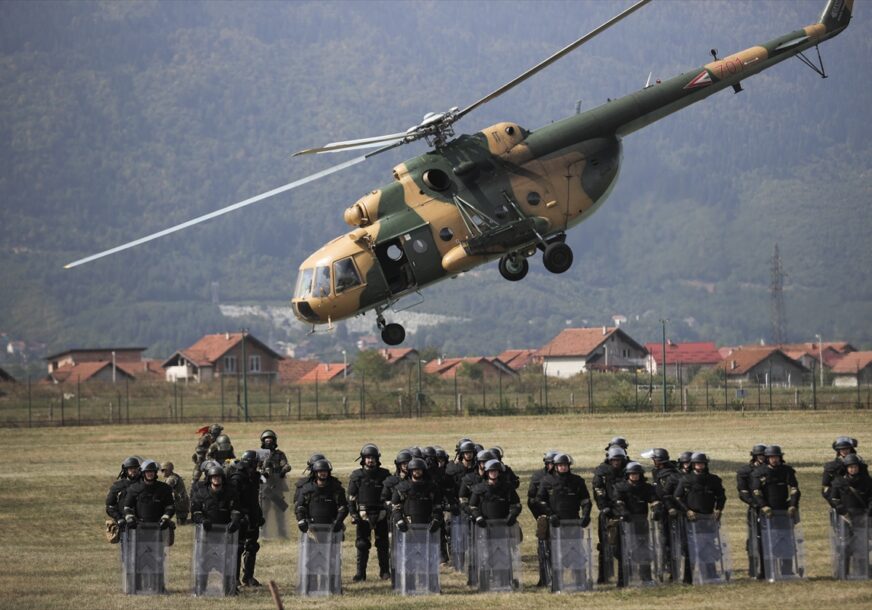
x,y
29,403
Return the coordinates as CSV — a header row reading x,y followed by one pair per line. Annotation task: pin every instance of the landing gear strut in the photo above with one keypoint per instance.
x,y
557,257
514,267
391,334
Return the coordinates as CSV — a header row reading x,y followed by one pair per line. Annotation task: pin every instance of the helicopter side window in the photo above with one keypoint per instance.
x,y
345,275
304,284
322,282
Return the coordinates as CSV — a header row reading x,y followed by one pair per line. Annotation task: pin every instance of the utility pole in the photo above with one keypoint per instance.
x,y
663,322
821,358
776,295
244,377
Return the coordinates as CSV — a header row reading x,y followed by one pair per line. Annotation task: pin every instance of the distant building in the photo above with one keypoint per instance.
x,y
577,350
96,354
221,354
325,373
399,355
448,368
689,357
107,364
519,359
291,370
762,365
6,377
85,372
854,368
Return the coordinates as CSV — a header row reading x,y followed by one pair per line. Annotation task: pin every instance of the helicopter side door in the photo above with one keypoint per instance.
x,y
410,260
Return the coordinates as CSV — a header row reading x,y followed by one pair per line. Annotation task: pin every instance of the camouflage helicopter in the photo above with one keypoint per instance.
x,y
503,193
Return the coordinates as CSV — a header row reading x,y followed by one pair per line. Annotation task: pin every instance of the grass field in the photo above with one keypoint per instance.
x,y
53,484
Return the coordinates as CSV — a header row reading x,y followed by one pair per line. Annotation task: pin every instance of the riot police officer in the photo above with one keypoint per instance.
x,y
631,498
149,500
247,481
700,493
322,500
367,511
474,477
541,515
499,454
604,478
843,446
852,492
216,503
448,494
129,474
774,485
308,475
207,437
401,466
684,462
180,494
665,479
277,461
563,494
221,450
494,497
754,541
416,499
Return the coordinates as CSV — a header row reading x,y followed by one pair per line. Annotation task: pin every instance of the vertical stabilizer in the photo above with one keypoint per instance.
x,y
837,15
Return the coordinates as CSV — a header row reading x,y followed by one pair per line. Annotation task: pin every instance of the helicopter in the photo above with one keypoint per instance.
x,y
504,192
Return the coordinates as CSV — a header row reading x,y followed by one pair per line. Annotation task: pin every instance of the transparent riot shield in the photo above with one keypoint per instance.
x,y
471,554
320,565
753,544
213,566
672,538
144,559
459,542
708,551
851,545
498,559
783,543
274,496
640,552
571,557
417,562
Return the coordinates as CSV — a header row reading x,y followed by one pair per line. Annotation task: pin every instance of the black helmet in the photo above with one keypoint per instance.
x,y
479,447
312,459
215,430
269,434
685,456
131,462
494,464
548,458
618,441
207,464
215,470
699,458
416,452
322,465
633,467
498,452
249,458
417,464
851,459
467,446
773,450
459,444
563,458
150,466
758,450
660,455
484,456
429,452
844,442
223,442
403,457
441,454
615,453
370,450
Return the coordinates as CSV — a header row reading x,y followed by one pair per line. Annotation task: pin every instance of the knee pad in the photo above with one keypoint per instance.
x,y
363,544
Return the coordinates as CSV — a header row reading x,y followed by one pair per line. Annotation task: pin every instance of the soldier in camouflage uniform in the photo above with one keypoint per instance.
x,y
180,495
208,436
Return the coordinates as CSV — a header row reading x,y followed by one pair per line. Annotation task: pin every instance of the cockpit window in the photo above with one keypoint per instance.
x,y
345,275
304,284
322,282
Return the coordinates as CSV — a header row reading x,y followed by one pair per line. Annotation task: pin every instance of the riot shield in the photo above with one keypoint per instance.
x,y
320,565
214,563
459,542
708,551
498,559
672,537
640,552
783,543
274,495
851,545
754,544
571,558
417,561
144,559
471,554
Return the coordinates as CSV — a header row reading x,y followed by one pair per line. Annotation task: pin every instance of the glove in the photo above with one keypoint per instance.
x,y
481,522
511,520
303,525
585,521
121,523
233,526
691,516
337,526
207,525
402,525
767,511
717,514
130,520
164,522
793,513
434,526
555,520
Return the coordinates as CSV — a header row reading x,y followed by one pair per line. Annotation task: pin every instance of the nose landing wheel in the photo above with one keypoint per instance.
x,y
514,267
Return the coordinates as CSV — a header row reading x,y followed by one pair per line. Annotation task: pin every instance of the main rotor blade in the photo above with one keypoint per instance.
x,y
222,211
544,64
353,144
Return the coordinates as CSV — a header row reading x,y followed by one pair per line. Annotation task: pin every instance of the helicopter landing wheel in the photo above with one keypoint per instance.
x,y
557,257
393,334
514,267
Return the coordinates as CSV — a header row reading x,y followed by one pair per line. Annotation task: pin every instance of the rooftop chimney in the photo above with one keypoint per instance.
x,y
227,336
604,330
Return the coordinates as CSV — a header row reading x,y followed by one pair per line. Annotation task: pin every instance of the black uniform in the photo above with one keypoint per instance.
x,y
665,480
247,483
494,501
775,487
115,498
219,506
148,502
754,541
632,500
368,513
604,479
416,502
538,511
323,503
852,495
700,493
564,495
832,471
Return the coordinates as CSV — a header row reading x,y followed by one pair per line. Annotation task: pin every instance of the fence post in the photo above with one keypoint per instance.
x,y
29,405
78,400
182,403
590,391
127,401
269,397
299,403
707,404
62,405
813,386
288,416
363,395
222,397
725,392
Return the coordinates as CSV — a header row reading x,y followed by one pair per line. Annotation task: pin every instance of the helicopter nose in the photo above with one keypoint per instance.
x,y
305,312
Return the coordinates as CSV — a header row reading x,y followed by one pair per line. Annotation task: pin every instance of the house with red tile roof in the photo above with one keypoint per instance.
x,y
84,372
762,365
518,359
291,370
854,368
399,355
690,358
448,368
325,373
577,350
94,354
90,364
222,354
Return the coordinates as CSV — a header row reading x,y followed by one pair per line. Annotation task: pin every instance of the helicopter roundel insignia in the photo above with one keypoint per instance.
x,y
703,79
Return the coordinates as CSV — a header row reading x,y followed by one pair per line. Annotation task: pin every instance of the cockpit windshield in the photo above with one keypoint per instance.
x,y
304,284
345,275
322,282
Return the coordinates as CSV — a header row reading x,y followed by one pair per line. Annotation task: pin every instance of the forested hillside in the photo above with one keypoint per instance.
x,y
118,119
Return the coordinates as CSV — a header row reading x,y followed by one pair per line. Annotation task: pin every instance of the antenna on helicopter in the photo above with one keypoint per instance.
x,y
714,53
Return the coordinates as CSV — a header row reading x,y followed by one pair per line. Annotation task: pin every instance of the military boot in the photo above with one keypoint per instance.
x,y
384,562
248,579
362,560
